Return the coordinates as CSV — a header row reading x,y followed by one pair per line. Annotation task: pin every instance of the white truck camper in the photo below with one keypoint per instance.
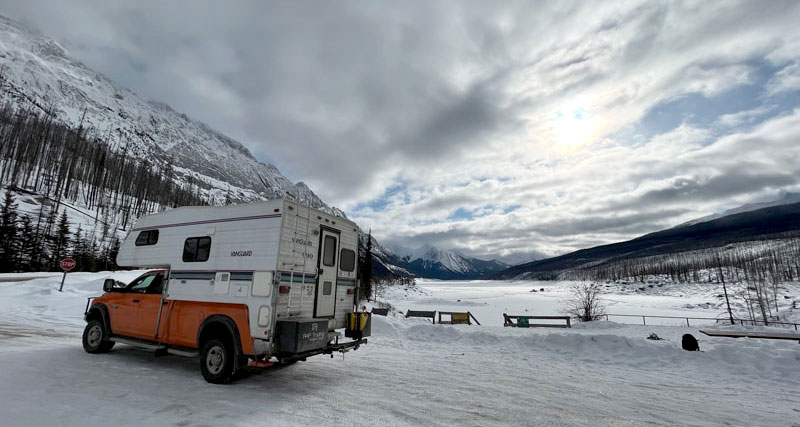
x,y
279,276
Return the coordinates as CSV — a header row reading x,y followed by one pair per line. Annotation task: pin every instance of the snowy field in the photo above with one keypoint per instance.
x,y
488,300
412,373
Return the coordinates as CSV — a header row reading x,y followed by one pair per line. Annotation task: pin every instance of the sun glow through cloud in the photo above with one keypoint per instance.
x,y
574,127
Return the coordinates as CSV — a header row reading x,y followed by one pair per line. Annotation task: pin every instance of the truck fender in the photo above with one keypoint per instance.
x,y
100,310
228,324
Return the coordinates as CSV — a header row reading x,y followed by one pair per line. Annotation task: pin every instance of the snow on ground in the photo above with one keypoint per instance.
x,y
412,372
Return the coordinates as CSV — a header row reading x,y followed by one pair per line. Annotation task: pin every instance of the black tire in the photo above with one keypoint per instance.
x,y
93,338
216,361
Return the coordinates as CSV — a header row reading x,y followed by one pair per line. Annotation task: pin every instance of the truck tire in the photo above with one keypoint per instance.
x,y
216,361
93,338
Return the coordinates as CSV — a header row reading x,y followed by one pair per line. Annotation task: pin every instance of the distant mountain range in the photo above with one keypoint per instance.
x,y
431,263
748,223
437,263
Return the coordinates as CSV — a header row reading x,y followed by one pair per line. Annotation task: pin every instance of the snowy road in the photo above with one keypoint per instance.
x,y
412,373
404,378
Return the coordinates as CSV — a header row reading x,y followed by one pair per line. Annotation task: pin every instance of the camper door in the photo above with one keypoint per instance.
x,y
328,267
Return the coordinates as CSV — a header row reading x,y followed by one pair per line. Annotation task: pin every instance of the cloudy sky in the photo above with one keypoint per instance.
x,y
498,128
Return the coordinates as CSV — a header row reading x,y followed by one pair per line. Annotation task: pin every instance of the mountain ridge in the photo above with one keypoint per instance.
x,y
760,224
788,198
38,72
435,263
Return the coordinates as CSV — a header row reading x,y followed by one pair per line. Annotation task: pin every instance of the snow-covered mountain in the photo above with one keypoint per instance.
x,y
437,263
761,239
385,263
787,199
37,72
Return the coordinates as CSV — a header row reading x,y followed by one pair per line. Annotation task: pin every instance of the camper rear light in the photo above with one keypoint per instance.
x,y
283,289
276,210
351,291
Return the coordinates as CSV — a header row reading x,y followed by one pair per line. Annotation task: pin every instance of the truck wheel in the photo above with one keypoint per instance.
x,y
216,361
93,338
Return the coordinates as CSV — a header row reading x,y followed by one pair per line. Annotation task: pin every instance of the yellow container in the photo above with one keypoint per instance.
x,y
359,325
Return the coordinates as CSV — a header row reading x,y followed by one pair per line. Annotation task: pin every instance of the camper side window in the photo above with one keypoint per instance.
x,y
147,238
196,249
347,260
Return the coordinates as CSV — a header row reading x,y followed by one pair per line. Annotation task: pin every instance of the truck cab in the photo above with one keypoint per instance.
x,y
133,307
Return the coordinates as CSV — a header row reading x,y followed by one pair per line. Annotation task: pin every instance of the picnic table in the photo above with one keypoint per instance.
x,y
523,321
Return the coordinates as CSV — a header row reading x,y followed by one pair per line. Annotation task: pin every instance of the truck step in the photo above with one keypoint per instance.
x,y
158,349
147,345
184,353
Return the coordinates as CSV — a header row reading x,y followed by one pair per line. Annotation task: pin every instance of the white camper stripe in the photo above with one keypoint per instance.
x,y
210,221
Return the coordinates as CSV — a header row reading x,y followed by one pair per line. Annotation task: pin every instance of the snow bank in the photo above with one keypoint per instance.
x,y
607,344
37,303
600,324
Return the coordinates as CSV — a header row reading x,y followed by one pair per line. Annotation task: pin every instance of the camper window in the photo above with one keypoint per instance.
x,y
147,238
329,257
347,260
196,249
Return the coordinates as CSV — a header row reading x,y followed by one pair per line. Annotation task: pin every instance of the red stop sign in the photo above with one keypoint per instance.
x,y
67,264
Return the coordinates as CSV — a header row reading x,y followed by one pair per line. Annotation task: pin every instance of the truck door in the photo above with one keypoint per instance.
x,y
124,308
326,281
149,304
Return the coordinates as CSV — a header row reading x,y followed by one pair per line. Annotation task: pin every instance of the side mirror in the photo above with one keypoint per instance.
x,y
108,285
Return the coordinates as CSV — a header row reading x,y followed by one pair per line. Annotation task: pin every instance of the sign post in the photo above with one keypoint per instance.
x,y
66,264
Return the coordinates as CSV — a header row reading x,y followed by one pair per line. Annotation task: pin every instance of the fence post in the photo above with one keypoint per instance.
x,y
644,323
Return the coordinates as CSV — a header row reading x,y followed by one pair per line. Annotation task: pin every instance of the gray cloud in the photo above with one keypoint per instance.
x,y
524,114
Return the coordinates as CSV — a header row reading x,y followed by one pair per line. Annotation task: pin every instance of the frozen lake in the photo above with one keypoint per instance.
x,y
487,300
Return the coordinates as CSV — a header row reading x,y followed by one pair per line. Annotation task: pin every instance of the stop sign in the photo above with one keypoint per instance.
x,y
67,264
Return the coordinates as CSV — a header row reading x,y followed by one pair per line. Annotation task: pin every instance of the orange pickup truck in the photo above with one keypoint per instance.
x,y
239,286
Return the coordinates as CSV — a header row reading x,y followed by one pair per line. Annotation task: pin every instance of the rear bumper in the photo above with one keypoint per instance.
x,y
329,349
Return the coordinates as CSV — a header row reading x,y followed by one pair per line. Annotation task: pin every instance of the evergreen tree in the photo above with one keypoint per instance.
x,y
29,247
9,234
60,241
111,257
91,256
365,268
80,251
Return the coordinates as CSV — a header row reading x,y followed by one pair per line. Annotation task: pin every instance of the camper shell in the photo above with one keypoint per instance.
x,y
282,274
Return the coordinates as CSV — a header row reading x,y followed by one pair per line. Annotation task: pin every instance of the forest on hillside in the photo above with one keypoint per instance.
x,y
752,271
60,167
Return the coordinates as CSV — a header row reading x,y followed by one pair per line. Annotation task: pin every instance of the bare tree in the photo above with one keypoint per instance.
x,y
585,303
